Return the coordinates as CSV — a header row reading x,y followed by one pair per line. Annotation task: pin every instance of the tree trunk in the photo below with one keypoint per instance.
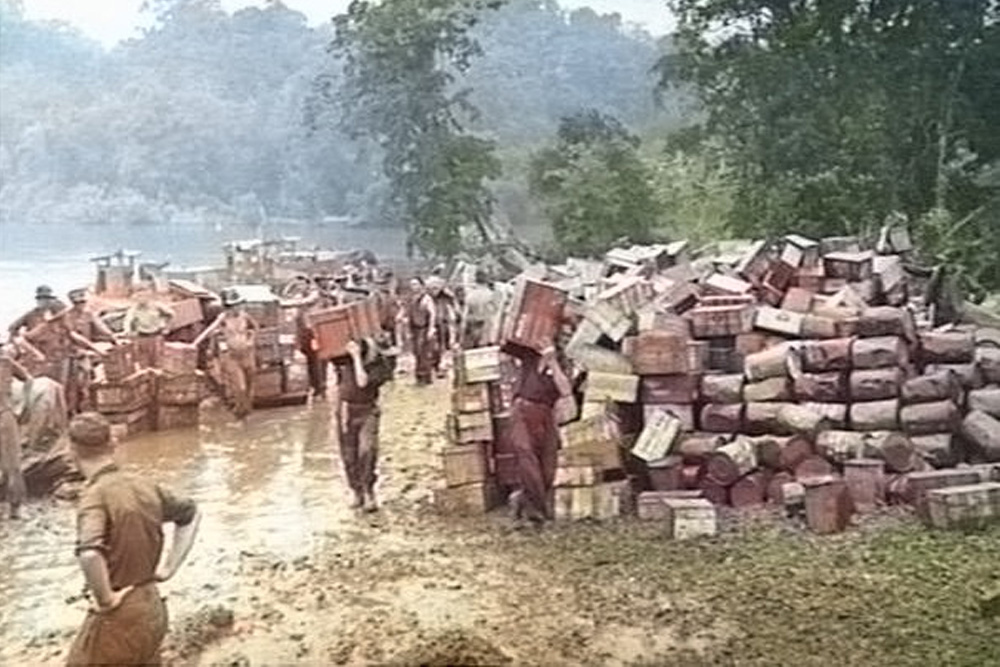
x,y
730,462
875,416
983,432
876,384
929,418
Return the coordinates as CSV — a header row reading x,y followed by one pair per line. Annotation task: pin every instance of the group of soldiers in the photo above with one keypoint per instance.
x,y
120,541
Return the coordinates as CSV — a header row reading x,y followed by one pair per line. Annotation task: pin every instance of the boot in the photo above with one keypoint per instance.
x,y
359,500
370,503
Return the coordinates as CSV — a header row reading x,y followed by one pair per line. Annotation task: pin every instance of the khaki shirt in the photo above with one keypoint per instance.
x,y
238,331
122,516
147,320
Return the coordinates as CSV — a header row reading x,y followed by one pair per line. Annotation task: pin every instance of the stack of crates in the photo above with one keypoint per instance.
x,y
180,388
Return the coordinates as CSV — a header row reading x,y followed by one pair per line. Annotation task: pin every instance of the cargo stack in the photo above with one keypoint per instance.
x,y
128,403
180,388
802,373
470,480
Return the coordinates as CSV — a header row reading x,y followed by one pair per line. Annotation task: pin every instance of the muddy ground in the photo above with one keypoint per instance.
x,y
284,573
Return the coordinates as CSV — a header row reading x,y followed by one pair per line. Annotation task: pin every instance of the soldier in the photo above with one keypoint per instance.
x,y
86,325
46,305
10,434
445,315
239,361
422,318
535,436
119,544
479,309
359,379
147,321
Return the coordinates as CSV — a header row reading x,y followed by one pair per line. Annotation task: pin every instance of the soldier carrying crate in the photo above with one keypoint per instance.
x,y
239,362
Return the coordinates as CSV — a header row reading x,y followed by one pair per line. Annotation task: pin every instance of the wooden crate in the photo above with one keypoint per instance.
x,y
268,383
573,503
576,470
465,464
713,318
471,397
683,411
132,422
691,517
186,312
467,500
119,362
917,485
968,507
468,428
783,322
179,358
660,353
331,331
186,389
535,315
663,389
597,437
828,504
658,436
481,364
612,387
134,392
851,266
176,416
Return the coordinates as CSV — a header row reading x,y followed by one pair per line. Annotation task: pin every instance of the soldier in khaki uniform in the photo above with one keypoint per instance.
x,y
10,434
147,321
239,361
119,544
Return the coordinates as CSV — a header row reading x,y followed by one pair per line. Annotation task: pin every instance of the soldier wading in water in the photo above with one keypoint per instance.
x,y
120,521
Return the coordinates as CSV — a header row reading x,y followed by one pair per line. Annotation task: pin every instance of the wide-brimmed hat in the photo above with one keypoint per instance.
x,y
231,297
78,295
44,292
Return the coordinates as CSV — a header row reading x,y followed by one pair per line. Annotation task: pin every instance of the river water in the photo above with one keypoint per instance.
x,y
59,255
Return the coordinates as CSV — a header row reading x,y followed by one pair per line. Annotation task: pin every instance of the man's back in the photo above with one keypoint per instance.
x,y
122,515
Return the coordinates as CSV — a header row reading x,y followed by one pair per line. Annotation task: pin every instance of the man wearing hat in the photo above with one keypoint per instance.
x,y
10,434
359,380
46,305
83,325
120,520
239,362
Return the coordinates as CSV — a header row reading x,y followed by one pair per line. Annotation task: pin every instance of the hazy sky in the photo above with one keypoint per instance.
x,y
110,21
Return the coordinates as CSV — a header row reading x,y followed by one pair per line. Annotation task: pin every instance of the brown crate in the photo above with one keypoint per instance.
x,y
465,464
481,364
471,397
119,362
134,392
132,422
176,416
179,358
660,353
468,500
186,312
659,389
711,321
535,315
972,506
331,331
186,389
851,266
268,383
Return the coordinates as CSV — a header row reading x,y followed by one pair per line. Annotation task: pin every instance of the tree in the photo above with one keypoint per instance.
x,y
834,114
400,61
593,185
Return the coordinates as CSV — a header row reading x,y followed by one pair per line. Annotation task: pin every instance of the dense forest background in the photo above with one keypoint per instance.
x,y
757,117
211,115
